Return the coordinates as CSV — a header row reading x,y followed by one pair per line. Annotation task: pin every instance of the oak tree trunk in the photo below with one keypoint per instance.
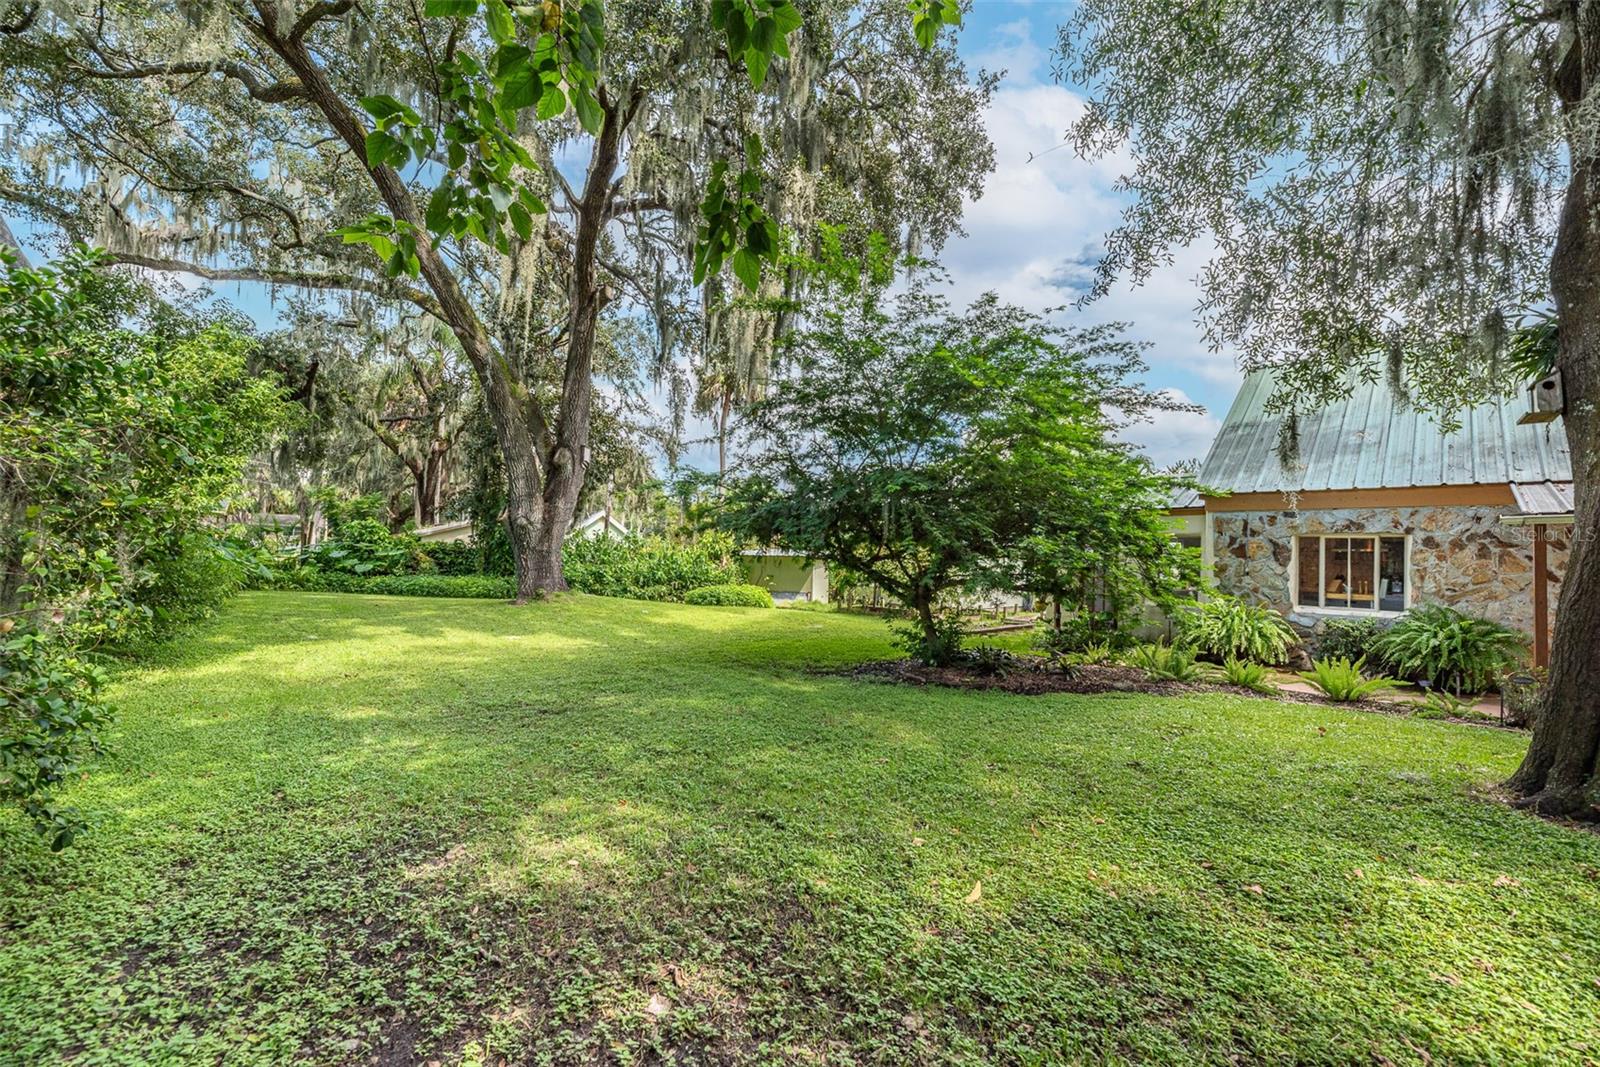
x,y
1559,774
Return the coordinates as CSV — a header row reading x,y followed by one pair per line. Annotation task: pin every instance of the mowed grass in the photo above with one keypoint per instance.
x,y
360,829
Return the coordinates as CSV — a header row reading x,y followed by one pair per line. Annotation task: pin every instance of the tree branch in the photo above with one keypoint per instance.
x,y
323,9
266,92
305,279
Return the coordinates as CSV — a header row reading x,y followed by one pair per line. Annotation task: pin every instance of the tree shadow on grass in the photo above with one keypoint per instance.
x,y
427,836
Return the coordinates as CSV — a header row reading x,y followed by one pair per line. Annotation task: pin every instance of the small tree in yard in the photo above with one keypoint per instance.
x,y
1390,186
925,449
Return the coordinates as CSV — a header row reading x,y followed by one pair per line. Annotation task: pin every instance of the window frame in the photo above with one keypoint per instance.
x,y
1322,605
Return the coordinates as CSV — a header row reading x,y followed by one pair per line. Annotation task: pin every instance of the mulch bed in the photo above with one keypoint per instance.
x,y
1033,676
1030,678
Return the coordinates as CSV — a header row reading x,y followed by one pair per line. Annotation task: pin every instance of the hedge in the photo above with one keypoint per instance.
x,y
465,586
729,596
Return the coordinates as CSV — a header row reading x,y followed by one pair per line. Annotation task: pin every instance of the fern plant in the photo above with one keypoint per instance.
x,y
1162,662
1450,649
1249,675
1344,681
1226,627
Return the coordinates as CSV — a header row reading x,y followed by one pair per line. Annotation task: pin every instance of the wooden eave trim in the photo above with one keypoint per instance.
x,y
1406,497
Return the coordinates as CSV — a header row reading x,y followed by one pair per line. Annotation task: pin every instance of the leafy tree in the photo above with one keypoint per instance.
x,y
1390,186
303,138
927,449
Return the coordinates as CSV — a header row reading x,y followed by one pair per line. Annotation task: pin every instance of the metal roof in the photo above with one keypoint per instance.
x,y
1375,441
1543,498
1185,498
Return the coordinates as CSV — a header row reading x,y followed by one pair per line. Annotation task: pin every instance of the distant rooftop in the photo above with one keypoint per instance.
x,y
1374,441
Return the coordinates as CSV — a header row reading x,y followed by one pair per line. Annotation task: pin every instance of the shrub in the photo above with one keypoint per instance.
x,y
365,546
51,716
990,661
1344,681
1249,675
729,596
1162,662
1225,626
1081,630
453,557
189,584
1351,639
649,569
1451,650
942,649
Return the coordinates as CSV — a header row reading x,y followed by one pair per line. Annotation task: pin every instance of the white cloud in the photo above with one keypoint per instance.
x,y
1038,231
1171,436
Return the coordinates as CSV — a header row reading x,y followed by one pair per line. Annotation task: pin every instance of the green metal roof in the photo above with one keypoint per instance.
x,y
1374,441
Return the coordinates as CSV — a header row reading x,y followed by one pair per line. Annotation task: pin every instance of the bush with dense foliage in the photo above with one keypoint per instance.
x,y
51,718
453,557
1084,630
365,546
729,596
1345,681
124,425
940,647
1450,649
467,586
1351,639
1224,627
649,568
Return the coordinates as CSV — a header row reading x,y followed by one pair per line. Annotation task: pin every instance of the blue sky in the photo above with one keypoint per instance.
x,y
1038,229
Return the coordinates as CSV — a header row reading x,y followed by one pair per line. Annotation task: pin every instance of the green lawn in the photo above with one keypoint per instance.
x,y
364,829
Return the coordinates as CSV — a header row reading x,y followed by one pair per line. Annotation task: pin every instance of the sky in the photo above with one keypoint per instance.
x,y
1040,225
1037,231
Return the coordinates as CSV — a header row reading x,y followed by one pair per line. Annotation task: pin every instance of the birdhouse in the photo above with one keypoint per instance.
x,y
1545,399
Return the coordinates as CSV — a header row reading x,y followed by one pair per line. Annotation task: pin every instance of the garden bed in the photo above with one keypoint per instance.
x,y
1033,676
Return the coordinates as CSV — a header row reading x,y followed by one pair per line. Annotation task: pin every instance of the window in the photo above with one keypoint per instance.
x,y
1361,572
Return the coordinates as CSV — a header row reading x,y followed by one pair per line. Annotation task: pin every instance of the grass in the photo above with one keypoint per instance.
x,y
367,829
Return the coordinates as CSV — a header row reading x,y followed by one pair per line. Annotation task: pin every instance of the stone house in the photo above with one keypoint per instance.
x,y
1383,512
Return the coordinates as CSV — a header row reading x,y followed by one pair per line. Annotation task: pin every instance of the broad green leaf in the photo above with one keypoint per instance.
x,y
755,62
435,9
552,103
588,108
787,18
502,27
747,266
521,221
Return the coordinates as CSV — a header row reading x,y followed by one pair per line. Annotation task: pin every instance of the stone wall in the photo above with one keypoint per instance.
x,y
1461,556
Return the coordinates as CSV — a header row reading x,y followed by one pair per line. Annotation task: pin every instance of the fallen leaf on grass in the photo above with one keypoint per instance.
x,y
976,894
1447,979
1506,880
1358,873
1253,888
916,842
658,1006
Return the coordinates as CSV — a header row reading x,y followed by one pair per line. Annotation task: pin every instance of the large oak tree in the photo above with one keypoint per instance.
x,y
608,156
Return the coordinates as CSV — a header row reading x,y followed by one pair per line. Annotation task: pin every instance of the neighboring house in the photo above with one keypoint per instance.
x,y
594,525
786,575
600,524
1383,512
460,530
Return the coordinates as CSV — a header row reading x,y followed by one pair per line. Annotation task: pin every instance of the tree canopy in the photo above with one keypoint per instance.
x,y
929,449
